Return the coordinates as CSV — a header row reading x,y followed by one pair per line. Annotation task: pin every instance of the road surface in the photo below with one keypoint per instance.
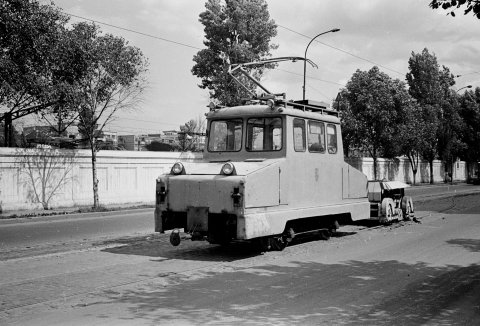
x,y
403,274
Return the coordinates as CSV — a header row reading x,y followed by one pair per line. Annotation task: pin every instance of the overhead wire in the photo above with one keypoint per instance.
x,y
136,32
197,48
310,77
338,49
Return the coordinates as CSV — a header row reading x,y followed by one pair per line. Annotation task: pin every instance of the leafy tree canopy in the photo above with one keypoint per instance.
x,y
374,108
30,38
431,87
469,6
236,31
429,84
191,135
470,114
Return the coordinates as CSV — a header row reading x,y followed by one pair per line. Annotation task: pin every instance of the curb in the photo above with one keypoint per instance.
x,y
29,216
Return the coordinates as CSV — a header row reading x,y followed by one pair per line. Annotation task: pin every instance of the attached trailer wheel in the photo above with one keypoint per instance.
x,y
387,210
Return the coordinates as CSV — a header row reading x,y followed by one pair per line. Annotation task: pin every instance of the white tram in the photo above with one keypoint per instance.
x,y
272,169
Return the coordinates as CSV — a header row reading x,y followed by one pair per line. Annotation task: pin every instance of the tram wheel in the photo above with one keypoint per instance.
x,y
263,244
277,243
324,234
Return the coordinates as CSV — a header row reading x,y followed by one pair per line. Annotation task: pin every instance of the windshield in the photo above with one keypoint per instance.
x,y
225,135
264,134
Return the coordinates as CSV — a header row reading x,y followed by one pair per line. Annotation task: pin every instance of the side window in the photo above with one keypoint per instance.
x,y
264,134
332,138
299,135
316,136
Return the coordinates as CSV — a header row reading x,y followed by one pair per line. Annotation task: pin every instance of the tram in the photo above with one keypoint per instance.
x,y
272,169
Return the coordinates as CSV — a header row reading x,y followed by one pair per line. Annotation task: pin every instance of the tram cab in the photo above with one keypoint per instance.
x,y
272,169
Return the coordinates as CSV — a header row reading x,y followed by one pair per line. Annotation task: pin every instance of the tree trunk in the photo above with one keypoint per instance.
x,y
430,162
95,180
452,165
413,159
375,168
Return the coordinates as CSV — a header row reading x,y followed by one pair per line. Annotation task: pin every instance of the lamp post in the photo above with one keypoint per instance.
x,y
305,61
450,134
468,86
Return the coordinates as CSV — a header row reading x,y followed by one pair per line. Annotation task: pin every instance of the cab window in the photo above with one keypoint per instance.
x,y
299,135
332,138
264,134
225,135
316,136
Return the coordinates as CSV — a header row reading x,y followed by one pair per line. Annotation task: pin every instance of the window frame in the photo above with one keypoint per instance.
x,y
328,138
322,124
303,135
247,134
210,135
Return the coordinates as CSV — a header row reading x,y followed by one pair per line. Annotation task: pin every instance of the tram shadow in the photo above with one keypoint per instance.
x,y
311,237
158,246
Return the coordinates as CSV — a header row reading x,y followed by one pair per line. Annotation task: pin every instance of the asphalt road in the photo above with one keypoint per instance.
x,y
61,231
408,273
74,227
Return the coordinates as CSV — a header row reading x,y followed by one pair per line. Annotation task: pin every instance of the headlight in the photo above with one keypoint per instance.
x,y
178,168
228,168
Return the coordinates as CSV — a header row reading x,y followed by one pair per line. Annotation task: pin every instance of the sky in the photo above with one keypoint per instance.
x,y
381,33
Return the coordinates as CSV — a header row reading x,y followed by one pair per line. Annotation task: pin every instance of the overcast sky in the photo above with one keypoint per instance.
x,y
372,32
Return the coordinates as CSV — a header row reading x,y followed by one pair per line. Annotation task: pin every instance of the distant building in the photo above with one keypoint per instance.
x,y
47,135
129,142
170,137
109,139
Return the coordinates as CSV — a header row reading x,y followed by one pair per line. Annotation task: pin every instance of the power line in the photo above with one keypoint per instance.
x,y
197,48
310,77
136,32
163,123
469,73
338,49
319,92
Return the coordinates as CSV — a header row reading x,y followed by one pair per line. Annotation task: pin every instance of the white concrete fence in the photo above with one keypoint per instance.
x,y
66,176
63,178
399,169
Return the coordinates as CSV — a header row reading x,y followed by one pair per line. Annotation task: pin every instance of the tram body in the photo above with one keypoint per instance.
x,y
270,169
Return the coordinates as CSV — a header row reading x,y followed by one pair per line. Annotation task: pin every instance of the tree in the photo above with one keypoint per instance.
x,y
47,171
411,135
450,142
237,31
190,135
113,81
30,35
470,114
375,106
430,86
471,6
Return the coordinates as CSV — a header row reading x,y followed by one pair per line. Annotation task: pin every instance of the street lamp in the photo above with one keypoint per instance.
x,y
305,61
468,86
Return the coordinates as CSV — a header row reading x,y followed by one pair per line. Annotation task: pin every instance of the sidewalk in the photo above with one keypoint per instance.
x,y
71,211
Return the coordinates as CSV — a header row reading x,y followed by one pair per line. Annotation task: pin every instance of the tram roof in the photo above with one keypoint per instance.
x,y
301,109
